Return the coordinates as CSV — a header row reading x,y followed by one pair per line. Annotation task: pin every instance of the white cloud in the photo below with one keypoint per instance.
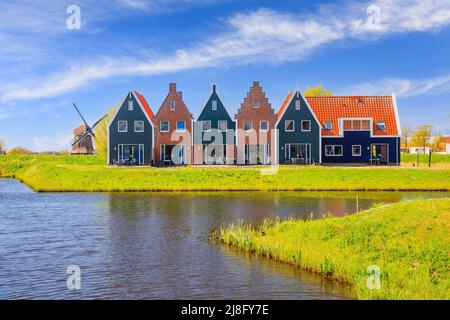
x,y
260,36
57,143
402,87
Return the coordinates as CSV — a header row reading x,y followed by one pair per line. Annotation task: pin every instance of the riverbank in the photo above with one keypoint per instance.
x,y
408,241
46,173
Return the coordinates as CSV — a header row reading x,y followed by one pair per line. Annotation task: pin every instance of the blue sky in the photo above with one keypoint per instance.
x,y
352,47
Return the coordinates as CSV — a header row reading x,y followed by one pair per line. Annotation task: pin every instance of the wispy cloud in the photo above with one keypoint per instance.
x,y
401,87
260,36
57,143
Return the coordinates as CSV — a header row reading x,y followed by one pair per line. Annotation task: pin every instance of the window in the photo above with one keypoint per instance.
x,y
172,105
214,105
181,126
164,126
381,125
248,125
264,126
328,125
139,126
222,125
130,105
255,104
306,125
297,104
206,125
123,126
332,150
356,150
289,125
356,125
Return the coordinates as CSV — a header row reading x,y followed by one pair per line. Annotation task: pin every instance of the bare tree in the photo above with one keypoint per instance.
x,y
407,133
2,147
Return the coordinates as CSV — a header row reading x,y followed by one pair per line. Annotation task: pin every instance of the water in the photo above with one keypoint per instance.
x,y
155,246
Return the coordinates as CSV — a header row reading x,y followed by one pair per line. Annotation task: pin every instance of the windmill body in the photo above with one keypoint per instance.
x,y
85,146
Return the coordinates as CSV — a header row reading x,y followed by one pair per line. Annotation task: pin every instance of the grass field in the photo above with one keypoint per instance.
x,y
408,241
89,173
437,160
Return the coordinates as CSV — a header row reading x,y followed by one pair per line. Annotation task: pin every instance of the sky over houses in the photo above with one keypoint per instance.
x,y
352,47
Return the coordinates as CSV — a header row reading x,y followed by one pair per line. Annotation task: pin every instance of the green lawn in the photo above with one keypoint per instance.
x,y
437,160
408,241
89,173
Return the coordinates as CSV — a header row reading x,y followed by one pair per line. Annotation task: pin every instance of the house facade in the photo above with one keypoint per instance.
x,y
173,127
214,134
298,132
358,129
131,132
255,125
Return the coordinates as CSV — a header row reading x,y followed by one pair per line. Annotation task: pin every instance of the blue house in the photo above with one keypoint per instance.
x,y
358,129
214,133
298,131
131,132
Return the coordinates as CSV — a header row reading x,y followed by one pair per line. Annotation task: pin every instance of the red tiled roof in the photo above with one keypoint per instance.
x,y
377,108
285,104
145,105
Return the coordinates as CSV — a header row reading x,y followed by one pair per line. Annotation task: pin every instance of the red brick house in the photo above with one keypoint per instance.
x,y
255,124
173,127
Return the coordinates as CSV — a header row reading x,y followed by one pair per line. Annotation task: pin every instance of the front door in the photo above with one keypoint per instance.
x,y
380,151
131,154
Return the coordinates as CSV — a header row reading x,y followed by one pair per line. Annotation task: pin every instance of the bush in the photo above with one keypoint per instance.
x,y
20,150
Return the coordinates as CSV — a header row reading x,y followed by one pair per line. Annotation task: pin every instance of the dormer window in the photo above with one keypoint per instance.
x,y
214,105
256,104
172,105
130,105
381,125
328,125
297,104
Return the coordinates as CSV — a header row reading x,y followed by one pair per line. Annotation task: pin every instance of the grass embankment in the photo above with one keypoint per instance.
x,y
89,173
408,241
437,160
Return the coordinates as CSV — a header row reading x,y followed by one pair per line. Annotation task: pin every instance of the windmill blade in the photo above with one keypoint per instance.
x,y
87,126
95,124
87,133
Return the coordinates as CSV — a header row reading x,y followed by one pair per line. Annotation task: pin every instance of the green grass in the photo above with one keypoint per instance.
x,y
408,241
89,173
437,160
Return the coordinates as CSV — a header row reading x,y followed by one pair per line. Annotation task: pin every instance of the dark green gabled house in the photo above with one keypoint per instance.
x,y
299,132
214,134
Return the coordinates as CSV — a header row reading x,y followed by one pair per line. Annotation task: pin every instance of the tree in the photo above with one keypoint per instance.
x,y
2,147
101,133
317,91
422,137
438,144
407,133
20,150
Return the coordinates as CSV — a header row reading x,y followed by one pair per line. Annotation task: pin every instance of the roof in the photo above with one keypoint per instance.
x,y
285,104
377,108
144,103
446,139
78,131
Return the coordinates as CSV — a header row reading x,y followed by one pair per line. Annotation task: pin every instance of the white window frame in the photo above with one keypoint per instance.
x,y
325,125
256,104
333,149
360,150
384,125
130,105
298,104
172,105
251,125
286,125
184,126
143,126
226,125
203,128
214,105
126,126
301,125
260,126
160,126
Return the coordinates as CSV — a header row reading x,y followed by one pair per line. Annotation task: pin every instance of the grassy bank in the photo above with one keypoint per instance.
x,y
409,241
437,160
76,173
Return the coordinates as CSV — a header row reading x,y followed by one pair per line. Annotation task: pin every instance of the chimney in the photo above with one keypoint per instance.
x,y
180,95
214,88
172,87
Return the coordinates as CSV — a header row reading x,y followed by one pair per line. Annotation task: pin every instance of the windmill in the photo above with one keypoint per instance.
x,y
83,136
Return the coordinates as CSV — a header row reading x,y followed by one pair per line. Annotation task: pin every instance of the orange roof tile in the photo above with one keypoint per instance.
x,y
285,104
377,108
145,105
